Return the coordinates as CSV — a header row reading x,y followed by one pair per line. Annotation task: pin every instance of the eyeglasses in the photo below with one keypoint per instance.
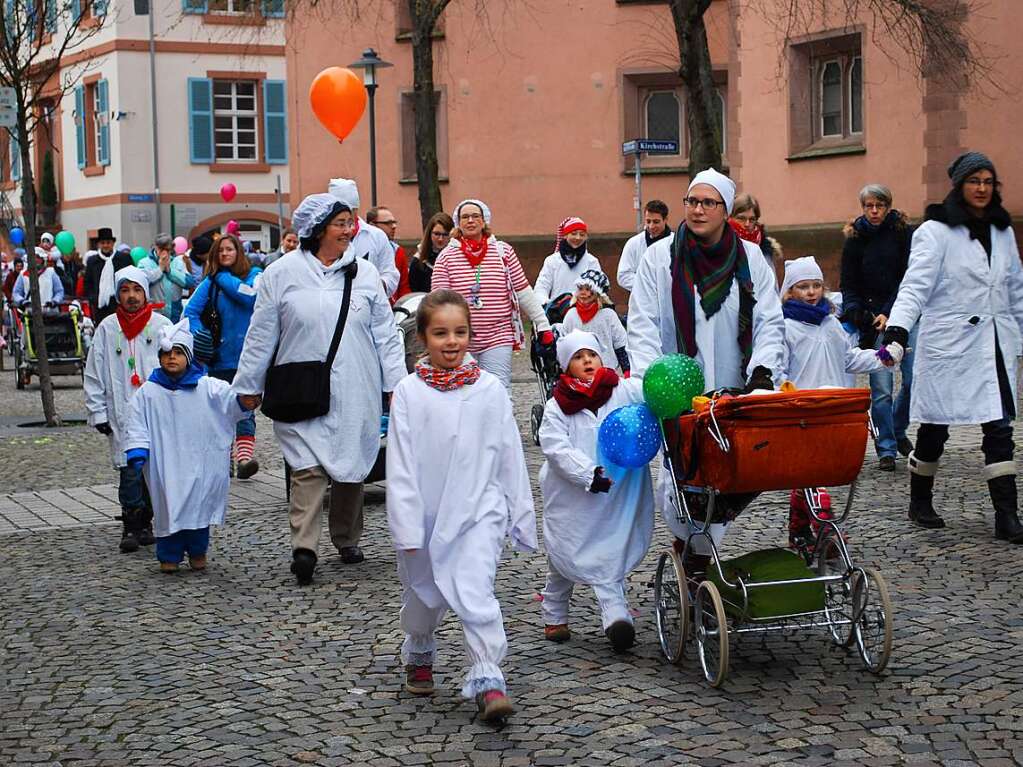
x,y
708,204
747,220
980,182
875,206
342,224
470,217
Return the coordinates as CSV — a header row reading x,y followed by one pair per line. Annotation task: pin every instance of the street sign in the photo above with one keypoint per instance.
x,y
140,198
8,108
650,146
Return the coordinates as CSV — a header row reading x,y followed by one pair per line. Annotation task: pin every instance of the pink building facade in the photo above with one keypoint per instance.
x,y
536,102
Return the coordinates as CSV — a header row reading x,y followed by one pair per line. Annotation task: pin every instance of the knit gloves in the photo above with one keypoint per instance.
x,y
600,483
760,379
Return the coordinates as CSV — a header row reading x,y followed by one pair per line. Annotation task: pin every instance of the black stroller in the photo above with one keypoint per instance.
x,y
545,366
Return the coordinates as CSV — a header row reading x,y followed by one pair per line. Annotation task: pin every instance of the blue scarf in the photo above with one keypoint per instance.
x,y
868,229
187,380
808,313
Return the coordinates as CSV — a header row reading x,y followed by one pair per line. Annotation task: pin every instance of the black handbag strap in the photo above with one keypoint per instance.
x,y
342,318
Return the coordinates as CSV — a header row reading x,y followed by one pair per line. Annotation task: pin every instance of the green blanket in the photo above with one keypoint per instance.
x,y
773,601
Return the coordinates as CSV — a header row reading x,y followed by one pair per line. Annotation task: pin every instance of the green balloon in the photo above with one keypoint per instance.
x,y
65,242
137,254
670,385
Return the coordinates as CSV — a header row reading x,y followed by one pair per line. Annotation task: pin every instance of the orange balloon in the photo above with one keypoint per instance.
x,y
338,98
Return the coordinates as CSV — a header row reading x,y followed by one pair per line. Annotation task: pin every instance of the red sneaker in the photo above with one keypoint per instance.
x,y
493,705
419,680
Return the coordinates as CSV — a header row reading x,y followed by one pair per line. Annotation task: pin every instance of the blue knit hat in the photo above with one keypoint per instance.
x,y
967,164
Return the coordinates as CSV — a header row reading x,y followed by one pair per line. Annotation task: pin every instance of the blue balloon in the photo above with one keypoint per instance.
x,y
17,236
630,436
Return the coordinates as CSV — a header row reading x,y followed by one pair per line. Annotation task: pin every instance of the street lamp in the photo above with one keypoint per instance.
x,y
369,64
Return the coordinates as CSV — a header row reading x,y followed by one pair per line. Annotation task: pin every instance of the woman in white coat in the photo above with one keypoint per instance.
x,y
964,285
295,316
596,529
562,269
711,295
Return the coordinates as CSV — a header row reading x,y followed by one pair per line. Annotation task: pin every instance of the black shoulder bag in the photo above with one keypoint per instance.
x,y
299,391
210,315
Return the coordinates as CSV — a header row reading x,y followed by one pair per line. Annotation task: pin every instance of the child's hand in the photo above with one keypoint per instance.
x,y
600,484
250,401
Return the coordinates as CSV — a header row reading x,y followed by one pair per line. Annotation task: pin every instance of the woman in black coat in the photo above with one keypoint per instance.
x,y
874,260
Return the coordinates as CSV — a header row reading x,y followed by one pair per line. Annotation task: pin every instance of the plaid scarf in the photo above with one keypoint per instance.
x,y
710,271
573,395
444,379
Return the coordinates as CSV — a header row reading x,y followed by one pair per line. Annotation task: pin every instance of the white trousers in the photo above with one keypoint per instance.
x,y
557,595
498,362
485,643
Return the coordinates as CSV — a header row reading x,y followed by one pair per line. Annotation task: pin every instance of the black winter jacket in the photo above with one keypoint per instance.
x,y
873,265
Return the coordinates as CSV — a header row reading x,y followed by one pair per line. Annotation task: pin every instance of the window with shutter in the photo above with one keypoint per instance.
x,y
200,119
15,159
102,123
80,125
275,122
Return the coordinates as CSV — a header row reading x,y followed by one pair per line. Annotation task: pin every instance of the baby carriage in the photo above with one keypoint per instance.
x,y
64,343
720,458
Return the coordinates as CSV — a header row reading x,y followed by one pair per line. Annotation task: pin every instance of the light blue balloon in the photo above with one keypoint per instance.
x,y
630,436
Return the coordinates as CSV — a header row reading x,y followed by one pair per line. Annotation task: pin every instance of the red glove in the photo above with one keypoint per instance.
x,y
547,338
626,373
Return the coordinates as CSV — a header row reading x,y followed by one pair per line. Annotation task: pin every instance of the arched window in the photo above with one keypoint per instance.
x,y
831,98
663,113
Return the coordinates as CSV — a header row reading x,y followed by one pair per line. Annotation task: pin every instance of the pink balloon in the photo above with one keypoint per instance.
x,y
180,244
228,191
233,228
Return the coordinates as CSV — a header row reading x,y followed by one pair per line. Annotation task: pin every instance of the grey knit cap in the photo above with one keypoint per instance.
x,y
968,163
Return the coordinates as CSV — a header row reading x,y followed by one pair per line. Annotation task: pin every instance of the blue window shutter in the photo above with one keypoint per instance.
x,y
275,122
200,119
273,9
15,159
80,124
193,6
99,8
76,10
103,108
51,16
32,20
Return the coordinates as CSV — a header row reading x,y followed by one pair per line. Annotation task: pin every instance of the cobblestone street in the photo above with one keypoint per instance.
x,y
108,662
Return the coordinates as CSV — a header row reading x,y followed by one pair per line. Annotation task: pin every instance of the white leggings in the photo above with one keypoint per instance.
x,y
558,593
498,362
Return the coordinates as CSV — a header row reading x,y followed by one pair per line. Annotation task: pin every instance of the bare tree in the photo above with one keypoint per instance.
x,y
37,36
931,32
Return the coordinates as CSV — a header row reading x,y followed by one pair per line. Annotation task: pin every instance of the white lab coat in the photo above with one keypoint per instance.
x,y
108,387
188,433
949,282
606,326
556,277
651,329
372,244
632,255
456,486
592,538
823,355
297,305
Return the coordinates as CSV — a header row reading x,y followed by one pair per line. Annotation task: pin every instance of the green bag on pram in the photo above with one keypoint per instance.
x,y
773,601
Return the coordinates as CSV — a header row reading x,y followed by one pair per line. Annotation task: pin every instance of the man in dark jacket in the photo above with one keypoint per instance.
x,y
94,272
874,260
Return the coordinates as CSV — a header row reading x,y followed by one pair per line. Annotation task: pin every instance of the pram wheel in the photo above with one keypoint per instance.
x,y
872,611
671,600
535,418
837,599
711,628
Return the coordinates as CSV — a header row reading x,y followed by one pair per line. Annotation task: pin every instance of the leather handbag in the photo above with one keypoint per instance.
x,y
210,315
300,391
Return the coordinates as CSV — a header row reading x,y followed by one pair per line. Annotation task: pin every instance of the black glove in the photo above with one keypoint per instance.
x,y
600,483
761,379
104,428
895,335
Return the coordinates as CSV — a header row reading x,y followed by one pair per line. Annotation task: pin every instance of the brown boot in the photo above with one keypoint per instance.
x,y
197,562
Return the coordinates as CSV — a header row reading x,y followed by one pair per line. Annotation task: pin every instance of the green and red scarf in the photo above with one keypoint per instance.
x,y
709,271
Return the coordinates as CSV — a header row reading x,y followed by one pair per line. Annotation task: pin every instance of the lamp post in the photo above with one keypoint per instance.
x,y
369,64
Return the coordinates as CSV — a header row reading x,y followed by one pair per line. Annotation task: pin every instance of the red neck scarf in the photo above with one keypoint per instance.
x,y
573,395
444,379
474,251
133,324
753,234
587,311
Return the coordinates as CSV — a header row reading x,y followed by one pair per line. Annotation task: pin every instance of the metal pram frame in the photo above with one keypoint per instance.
x,y
857,609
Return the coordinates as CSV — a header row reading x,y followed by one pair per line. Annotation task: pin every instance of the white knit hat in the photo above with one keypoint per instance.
x,y
177,335
799,269
573,342
131,274
724,185
346,190
479,204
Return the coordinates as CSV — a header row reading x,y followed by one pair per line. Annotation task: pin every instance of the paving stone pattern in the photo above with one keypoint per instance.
x,y
108,662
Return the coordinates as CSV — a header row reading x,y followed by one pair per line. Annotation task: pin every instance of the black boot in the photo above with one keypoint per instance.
x,y
1003,497
145,534
130,530
921,502
303,563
